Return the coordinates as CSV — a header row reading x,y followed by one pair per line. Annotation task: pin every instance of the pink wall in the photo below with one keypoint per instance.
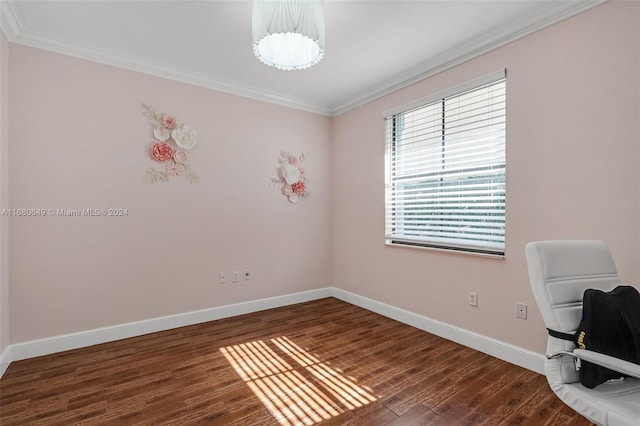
x,y
78,140
4,193
573,153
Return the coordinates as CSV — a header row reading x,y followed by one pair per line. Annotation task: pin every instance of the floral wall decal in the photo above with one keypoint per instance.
x,y
291,177
167,131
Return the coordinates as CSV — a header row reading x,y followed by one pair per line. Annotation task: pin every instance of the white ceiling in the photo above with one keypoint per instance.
x,y
372,47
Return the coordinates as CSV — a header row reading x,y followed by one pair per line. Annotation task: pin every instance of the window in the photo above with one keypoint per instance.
x,y
445,170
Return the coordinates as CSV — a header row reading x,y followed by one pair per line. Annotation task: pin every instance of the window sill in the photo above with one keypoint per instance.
x,y
389,243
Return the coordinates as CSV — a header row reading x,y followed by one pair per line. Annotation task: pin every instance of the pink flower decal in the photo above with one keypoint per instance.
x,y
161,152
287,189
172,137
298,188
291,177
169,121
174,169
179,157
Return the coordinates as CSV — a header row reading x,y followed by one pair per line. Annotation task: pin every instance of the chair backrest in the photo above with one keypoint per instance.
x,y
560,272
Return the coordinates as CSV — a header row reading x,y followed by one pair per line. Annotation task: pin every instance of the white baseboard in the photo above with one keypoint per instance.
x,y
505,351
496,348
46,346
5,360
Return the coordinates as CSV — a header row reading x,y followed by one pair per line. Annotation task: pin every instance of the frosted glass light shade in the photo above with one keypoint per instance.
x,y
288,34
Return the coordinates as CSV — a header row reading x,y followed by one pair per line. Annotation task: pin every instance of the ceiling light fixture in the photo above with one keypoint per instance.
x,y
288,34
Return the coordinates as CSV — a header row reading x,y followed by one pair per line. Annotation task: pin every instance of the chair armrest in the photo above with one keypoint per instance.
x,y
612,363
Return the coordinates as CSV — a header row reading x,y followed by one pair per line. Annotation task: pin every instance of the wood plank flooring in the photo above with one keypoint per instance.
x,y
322,362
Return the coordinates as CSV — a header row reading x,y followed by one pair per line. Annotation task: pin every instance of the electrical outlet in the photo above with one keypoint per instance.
x,y
235,276
473,299
245,275
222,277
521,311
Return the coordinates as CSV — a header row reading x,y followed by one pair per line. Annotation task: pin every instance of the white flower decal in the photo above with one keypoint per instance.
x,y
166,128
185,137
291,177
290,174
161,134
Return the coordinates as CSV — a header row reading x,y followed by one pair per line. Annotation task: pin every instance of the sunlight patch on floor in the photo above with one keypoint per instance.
x,y
295,386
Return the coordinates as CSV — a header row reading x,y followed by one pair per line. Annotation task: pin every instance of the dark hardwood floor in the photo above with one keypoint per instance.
x,y
324,362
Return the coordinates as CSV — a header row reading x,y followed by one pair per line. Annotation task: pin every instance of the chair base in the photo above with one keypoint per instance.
x,y
608,404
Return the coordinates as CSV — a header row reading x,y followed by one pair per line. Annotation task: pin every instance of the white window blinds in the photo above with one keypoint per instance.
x,y
445,171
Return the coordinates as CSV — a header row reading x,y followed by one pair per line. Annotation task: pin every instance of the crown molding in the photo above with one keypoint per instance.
x,y
15,31
13,26
485,43
11,22
91,52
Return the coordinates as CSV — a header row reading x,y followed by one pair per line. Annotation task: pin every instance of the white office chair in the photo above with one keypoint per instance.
x,y
560,272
